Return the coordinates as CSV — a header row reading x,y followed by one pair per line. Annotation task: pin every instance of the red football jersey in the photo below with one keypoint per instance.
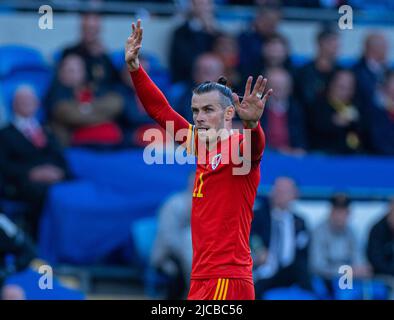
x,y
222,201
222,213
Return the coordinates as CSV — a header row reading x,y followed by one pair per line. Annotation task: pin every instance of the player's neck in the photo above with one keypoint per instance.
x,y
223,135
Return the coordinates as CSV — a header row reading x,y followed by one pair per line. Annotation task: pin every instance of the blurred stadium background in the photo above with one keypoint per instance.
x,y
332,131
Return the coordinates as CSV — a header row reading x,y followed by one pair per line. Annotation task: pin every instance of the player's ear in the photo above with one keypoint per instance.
x,y
229,113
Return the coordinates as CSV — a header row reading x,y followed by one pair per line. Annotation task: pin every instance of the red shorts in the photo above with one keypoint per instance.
x,y
221,289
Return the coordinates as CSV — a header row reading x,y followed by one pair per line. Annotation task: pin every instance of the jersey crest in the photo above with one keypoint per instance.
x,y
216,161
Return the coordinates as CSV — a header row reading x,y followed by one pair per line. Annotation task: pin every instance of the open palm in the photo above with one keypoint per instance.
x,y
252,106
133,46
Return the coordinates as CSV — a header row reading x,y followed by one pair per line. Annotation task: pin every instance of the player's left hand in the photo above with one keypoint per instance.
x,y
252,106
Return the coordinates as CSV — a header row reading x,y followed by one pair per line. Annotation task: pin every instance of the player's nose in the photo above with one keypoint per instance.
x,y
199,119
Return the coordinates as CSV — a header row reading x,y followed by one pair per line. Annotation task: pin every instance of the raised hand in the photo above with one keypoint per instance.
x,y
133,46
252,106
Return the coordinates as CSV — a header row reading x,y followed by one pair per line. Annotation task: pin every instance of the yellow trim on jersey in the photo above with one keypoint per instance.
x,y
217,289
221,289
225,289
198,193
188,139
193,142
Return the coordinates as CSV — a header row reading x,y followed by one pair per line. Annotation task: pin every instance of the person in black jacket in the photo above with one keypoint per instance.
x,y
13,242
30,158
335,120
280,241
194,37
312,78
380,249
100,71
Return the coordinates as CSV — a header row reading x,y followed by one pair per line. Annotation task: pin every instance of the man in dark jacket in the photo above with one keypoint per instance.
x,y
99,68
194,37
380,249
280,241
30,158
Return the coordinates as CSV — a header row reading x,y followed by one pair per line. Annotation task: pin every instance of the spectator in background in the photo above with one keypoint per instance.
x,y
381,118
334,245
335,121
274,54
226,48
380,249
207,67
194,37
30,158
251,41
280,241
283,120
134,120
172,252
370,72
100,71
312,79
13,242
82,114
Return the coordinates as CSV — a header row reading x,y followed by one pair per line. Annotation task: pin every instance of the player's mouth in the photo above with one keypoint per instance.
x,y
202,128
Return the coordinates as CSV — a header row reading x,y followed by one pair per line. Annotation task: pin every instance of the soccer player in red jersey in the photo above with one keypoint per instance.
x,y
222,201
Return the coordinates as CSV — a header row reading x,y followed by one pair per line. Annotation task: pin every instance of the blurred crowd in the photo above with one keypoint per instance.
x,y
320,105
287,252
291,259
357,4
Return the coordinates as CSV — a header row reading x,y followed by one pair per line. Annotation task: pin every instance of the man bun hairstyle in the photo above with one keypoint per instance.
x,y
220,86
222,80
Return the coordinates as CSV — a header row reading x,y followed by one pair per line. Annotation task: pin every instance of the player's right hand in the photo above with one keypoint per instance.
x,y
133,46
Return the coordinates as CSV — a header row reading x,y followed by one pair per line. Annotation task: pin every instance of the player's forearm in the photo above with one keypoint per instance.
x,y
154,101
257,141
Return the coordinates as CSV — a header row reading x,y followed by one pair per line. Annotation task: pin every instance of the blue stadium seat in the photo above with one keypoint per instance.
x,y
38,79
319,288
22,65
155,283
29,279
57,54
299,60
157,72
361,289
117,59
143,232
16,57
290,293
347,62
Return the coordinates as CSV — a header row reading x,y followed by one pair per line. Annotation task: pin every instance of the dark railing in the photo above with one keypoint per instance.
x,y
222,11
